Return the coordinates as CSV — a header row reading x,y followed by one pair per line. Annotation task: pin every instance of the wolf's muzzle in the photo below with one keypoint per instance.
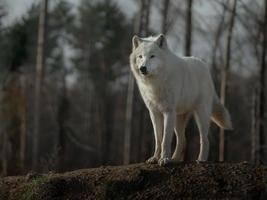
x,y
143,70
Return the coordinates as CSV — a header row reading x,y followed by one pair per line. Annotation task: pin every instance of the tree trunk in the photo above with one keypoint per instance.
x,y
128,123
23,126
62,115
144,18
103,99
165,10
40,62
187,52
218,34
255,127
13,121
224,77
4,137
188,32
4,153
262,98
141,30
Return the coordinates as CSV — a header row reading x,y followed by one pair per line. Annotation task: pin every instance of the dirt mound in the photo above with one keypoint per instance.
x,y
142,181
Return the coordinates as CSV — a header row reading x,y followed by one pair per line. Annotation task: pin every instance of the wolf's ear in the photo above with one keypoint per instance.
x,y
136,41
161,41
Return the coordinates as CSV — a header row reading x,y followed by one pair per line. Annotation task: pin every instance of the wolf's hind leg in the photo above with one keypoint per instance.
x,y
181,121
157,122
202,118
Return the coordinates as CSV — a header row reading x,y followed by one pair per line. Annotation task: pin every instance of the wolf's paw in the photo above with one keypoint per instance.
x,y
200,161
165,161
152,160
177,159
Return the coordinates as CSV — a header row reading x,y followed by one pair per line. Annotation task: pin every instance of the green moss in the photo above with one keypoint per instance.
x,y
30,190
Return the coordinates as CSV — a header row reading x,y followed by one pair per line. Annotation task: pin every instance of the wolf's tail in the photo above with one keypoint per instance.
x,y
220,115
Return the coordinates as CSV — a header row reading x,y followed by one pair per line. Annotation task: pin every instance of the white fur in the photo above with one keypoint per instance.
x,y
173,89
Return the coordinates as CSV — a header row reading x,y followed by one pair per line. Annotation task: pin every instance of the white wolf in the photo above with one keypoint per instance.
x,y
174,88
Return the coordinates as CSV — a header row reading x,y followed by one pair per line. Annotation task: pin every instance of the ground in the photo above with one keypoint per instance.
x,y
142,181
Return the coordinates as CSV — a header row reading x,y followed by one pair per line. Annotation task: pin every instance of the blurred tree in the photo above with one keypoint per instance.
x,y
165,18
13,117
255,127
2,13
141,29
13,112
40,65
251,20
19,40
262,90
2,132
218,34
60,23
225,73
101,51
188,24
62,113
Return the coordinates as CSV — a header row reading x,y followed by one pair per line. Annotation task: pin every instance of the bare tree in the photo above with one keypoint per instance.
x,y
144,18
262,97
40,62
225,73
23,126
62,115
165,11
142,30
13,129
128,123
188,32
215,46
255,127
4,155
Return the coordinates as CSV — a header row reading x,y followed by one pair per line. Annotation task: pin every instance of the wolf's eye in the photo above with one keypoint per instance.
x,y
152,56
140,56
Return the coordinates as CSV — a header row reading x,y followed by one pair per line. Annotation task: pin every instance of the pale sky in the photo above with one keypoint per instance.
x,y
16,8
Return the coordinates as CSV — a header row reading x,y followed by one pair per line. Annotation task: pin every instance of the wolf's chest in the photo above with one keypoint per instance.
x,y
156,96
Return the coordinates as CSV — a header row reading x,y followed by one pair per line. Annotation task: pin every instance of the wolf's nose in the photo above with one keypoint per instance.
x,y
143,69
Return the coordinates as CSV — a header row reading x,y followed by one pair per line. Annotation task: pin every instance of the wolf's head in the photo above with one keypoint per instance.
x,y
146,57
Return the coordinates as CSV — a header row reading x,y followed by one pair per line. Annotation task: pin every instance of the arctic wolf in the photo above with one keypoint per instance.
x,y
174,88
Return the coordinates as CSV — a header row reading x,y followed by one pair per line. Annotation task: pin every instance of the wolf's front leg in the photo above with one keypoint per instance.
x,y
157,122
169,123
